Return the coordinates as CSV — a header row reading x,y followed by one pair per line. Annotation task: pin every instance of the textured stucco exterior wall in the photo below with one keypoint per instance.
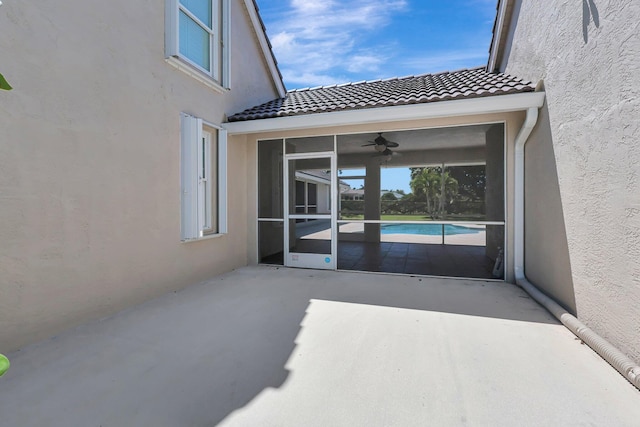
x,y
547,253
89,161
588,54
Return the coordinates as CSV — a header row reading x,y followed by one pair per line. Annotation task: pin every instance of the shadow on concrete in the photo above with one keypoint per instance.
x,y
196,356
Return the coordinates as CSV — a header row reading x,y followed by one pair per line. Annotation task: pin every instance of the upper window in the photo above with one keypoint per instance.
x,y
197,35
203,178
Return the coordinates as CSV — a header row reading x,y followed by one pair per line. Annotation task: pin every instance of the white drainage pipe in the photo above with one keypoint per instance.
x,y
606,350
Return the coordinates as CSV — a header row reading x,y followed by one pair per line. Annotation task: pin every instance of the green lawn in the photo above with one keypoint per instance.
x,y
420,217
393,217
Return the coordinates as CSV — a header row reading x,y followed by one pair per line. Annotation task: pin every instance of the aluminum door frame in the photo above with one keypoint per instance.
x,y
311,260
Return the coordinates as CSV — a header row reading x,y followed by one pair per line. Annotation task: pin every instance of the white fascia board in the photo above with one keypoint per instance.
x,y
454,108
266,49
497,35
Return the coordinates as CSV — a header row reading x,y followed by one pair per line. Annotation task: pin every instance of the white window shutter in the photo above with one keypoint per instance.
x,y
205,182
171,28
222,181
191,134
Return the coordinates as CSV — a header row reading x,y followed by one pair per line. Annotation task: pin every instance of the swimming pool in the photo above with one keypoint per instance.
x,y
427,229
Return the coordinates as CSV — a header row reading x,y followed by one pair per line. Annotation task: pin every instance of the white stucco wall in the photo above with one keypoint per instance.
x,y
89,161
588,53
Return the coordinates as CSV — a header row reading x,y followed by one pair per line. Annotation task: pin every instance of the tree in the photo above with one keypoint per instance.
x,y
471,179
448,190
472,183
435,187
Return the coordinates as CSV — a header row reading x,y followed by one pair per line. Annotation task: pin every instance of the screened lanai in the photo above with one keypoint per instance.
x,y
418,201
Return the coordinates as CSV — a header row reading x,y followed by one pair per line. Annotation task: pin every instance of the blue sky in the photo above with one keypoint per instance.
x,y
322,42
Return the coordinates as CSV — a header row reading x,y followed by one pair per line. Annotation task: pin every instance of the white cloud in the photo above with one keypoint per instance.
x,y
318,40
324,42
359,63
283,41
310,79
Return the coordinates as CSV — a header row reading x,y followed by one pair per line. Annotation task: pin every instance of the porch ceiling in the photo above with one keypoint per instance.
x,y
421,139
276,346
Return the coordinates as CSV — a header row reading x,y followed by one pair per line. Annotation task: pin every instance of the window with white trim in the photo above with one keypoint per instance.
x,y
197,34
203,154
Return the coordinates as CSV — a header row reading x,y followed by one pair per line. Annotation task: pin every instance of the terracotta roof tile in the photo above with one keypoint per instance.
x,y
462,84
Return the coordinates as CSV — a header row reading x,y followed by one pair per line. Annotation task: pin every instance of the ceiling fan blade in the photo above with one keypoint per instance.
x,y
391,144
366,145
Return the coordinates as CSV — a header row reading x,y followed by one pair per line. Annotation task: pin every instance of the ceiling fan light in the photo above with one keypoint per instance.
x,y
380,147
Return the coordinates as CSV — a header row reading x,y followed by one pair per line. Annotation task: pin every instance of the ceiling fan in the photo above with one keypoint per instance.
x,y
381,144
383,147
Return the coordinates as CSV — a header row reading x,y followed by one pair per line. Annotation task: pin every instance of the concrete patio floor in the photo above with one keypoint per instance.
x,y
268,346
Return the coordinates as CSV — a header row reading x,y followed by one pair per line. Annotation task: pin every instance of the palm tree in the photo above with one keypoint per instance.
x,y
425,184
435,187
448,190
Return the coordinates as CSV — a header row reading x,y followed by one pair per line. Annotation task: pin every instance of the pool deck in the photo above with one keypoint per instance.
x,y
267,346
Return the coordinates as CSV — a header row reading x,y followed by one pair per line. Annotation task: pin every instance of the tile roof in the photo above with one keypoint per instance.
x,y
461,84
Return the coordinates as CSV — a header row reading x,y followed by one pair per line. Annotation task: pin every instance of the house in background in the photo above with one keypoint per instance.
x,y
137,161
358,194
352,194
313,191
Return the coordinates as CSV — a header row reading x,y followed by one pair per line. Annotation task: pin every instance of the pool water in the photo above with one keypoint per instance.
x,y
427,229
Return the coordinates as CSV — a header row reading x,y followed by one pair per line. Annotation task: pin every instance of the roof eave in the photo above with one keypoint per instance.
x,y
453,108
256,21
499,28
